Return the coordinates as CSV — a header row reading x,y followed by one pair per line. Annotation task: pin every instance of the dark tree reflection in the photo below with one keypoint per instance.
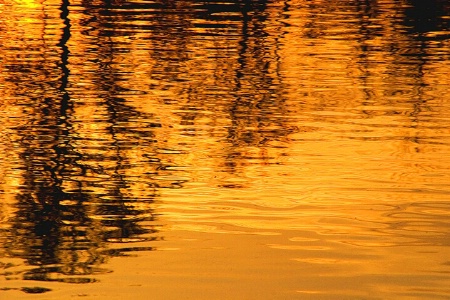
x,y
77,198
105,86
422,17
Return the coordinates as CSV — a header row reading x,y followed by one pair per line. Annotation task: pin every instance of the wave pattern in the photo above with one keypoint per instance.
x,y
314,133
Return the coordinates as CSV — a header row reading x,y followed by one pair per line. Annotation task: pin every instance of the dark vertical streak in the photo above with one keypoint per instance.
x,y
64,55
63,147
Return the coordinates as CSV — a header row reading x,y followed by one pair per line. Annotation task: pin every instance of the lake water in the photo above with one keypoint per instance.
x,y
240,149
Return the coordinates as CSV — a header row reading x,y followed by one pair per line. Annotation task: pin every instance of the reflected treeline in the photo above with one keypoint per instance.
x,y
106,85
368,53
407,43
423,18
83,185
203,59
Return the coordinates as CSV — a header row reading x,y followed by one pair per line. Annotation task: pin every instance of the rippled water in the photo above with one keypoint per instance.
x,y
224,149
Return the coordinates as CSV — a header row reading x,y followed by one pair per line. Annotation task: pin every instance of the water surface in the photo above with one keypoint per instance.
x,y
224,149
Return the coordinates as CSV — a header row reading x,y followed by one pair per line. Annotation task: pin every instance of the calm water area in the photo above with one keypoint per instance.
x,y
233,149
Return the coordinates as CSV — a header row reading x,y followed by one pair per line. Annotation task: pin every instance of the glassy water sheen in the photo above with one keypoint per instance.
x,y
240,149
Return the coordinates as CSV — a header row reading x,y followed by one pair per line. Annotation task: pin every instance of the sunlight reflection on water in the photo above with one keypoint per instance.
x,y
297,147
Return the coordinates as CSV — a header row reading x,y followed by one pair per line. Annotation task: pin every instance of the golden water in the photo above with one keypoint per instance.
x,y
224,149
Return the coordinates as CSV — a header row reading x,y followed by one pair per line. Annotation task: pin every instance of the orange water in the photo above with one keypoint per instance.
x,y
224,149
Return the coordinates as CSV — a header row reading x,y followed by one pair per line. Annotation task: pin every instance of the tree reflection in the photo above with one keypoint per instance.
x,y
424,17
232,64
106,83
76,197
